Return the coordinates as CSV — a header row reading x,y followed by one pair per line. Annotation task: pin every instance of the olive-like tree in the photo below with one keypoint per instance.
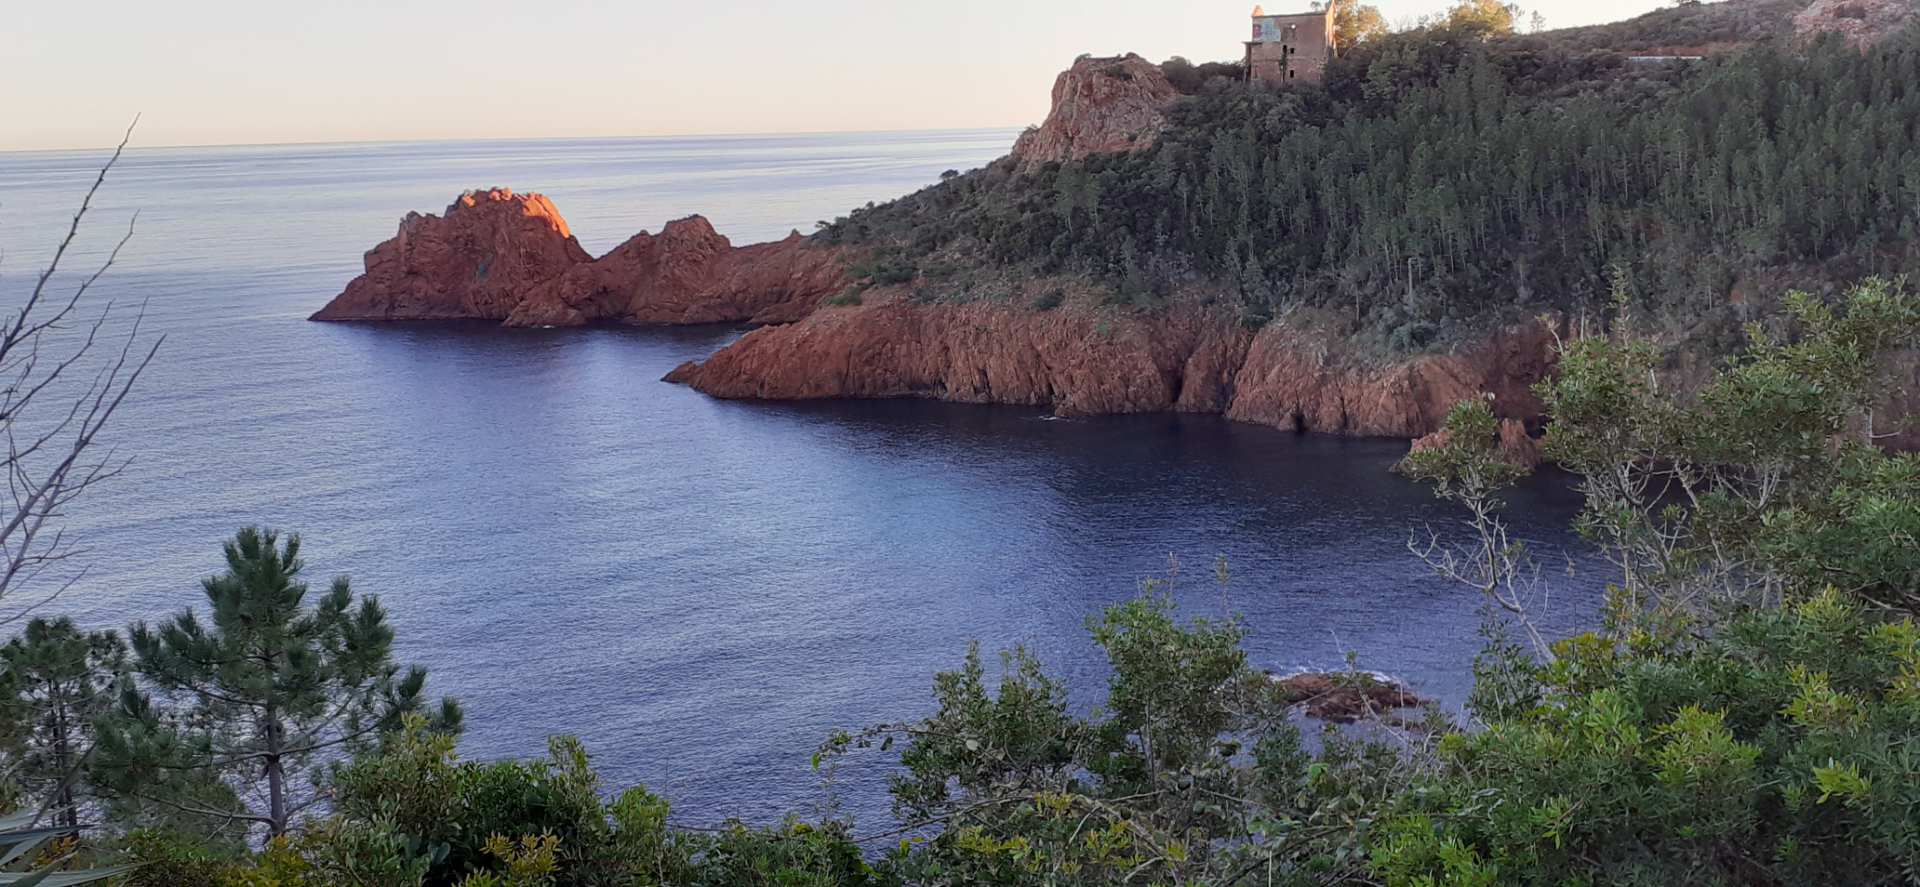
x,y
235,710
1355,23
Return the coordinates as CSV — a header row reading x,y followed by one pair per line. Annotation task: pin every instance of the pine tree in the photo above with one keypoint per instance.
x,y
58,682
268,691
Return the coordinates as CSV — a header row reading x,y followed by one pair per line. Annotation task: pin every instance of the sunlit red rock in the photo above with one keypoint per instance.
x,y
689,273
497,255
1088,361
1100,106
476,260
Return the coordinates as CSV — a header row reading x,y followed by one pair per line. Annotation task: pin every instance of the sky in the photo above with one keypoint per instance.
x,y
214,72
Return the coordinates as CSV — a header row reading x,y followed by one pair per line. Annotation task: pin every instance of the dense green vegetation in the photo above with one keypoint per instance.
x,y
1442,176
1744,714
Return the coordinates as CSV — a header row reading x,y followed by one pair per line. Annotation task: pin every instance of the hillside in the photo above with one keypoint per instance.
x,y
1685,29
1440,182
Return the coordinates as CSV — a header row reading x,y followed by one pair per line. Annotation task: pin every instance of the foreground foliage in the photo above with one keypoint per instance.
x,y
257,697
1778,750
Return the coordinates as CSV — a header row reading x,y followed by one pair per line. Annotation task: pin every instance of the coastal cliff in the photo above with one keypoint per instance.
x,y
1081,360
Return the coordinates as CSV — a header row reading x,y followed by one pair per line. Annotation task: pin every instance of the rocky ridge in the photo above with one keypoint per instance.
x,y
477,259
497,255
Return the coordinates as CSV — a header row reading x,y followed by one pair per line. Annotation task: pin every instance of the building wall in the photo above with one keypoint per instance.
x,y
1290,47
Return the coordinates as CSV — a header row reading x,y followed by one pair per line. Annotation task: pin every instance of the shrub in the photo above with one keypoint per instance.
x,y
1412,336
1770,752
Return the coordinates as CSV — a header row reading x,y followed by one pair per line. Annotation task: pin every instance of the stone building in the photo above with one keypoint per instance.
x,y
1290,47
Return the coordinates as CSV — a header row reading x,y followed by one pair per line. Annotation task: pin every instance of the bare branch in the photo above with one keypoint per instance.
x,y
51,456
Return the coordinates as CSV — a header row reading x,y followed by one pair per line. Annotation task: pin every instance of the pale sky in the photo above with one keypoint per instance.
x,y
204,72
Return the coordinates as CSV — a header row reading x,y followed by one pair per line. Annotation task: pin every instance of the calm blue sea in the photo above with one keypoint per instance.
x,y
702,590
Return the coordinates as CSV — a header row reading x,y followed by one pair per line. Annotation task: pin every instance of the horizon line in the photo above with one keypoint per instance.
x,y
543,138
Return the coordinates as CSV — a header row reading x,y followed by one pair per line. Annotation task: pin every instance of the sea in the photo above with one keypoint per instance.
x,y
700,590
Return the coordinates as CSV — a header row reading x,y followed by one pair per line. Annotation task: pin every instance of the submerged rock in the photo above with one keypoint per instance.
x,y
1344,697
1516,445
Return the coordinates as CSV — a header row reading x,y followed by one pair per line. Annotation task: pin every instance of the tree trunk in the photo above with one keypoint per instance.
x,y
276,777
67,815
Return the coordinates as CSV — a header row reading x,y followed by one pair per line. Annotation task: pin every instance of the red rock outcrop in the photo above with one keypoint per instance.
x,y
497,255
1085,361
1100,105
1343,698
1516,446
688,273
1860,22
1073,362
473,261
1294,378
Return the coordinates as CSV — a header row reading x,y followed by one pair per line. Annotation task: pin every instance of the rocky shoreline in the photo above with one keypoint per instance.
x,y
506,257
1081,360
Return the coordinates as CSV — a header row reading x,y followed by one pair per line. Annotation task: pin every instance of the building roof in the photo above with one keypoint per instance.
x,y
1259,12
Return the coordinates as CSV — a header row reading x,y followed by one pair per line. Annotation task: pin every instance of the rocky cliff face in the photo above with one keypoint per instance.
x,y
476,260
497,255
1860,22
1297,378
1100,105
1085,361
688,273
